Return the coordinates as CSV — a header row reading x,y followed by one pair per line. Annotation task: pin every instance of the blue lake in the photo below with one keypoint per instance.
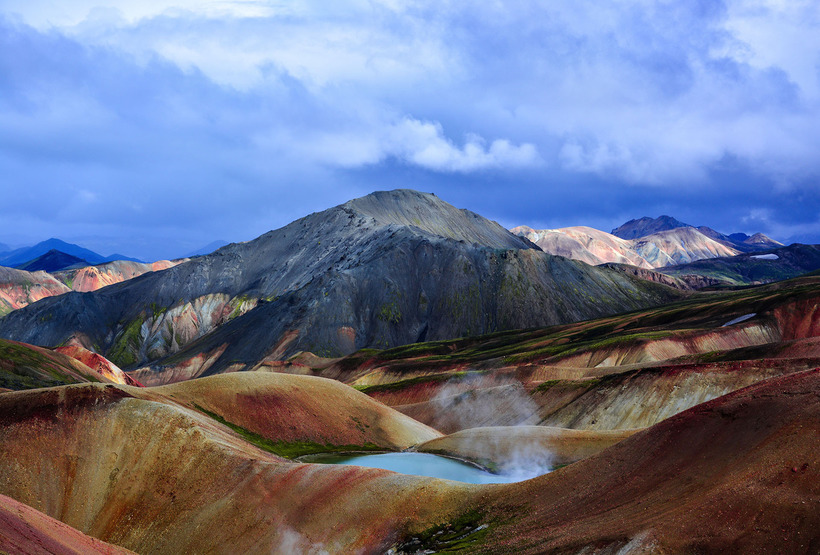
x,y
420,464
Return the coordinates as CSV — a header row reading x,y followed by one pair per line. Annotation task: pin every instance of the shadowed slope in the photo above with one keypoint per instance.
x,y
763,267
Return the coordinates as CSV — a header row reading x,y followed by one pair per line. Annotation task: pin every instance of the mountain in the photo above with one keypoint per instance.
x,y
53,261
19,288
114,257
678,245
749,269
741,241
386,269
26,254
207,249
635,229
643,227
585,244
91,278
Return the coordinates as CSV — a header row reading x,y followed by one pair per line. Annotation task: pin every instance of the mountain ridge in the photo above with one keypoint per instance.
x,y
24,255
387,269
648,243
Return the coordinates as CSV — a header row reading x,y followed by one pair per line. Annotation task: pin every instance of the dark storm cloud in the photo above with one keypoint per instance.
x,y
151,131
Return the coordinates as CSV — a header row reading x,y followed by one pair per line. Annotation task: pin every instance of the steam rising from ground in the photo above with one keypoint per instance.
x,y
292,542
489,401
484,401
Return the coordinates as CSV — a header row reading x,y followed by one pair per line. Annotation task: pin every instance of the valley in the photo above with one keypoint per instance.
x,y
625,407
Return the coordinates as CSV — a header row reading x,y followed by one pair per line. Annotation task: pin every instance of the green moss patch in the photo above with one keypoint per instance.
x,y
124,351
465,532
287,449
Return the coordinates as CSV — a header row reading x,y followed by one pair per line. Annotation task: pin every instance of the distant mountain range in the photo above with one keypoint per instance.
x,y
58,252
645,227
53,261
647,243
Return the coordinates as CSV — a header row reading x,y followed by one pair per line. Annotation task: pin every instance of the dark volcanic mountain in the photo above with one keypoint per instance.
x,y
634,229
53,261
387,269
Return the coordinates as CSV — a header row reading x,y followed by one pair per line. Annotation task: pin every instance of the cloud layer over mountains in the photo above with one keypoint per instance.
x,y
123,126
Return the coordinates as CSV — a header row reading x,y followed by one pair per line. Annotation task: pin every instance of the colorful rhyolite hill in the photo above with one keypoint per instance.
x,y
169,471
646,243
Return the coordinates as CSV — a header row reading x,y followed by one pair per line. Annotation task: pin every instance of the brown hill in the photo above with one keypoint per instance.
x,y
147,473
737,474
132,467
290,408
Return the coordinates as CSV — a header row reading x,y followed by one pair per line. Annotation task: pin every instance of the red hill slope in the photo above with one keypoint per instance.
x,y
25,531
738,474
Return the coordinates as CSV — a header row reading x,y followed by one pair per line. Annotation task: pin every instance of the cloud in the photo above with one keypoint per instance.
x,y
178,115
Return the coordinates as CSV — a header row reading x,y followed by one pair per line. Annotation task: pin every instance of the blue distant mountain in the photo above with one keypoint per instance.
x,y
115,256
53,261
25,255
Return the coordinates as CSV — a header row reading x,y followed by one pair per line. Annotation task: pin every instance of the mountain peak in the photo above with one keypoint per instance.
x,y
430,214
52,261
634,229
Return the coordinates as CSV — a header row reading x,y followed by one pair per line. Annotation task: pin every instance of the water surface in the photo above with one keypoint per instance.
x,y
421,464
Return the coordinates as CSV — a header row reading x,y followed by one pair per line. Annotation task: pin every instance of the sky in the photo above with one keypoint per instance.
x,y
151,128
